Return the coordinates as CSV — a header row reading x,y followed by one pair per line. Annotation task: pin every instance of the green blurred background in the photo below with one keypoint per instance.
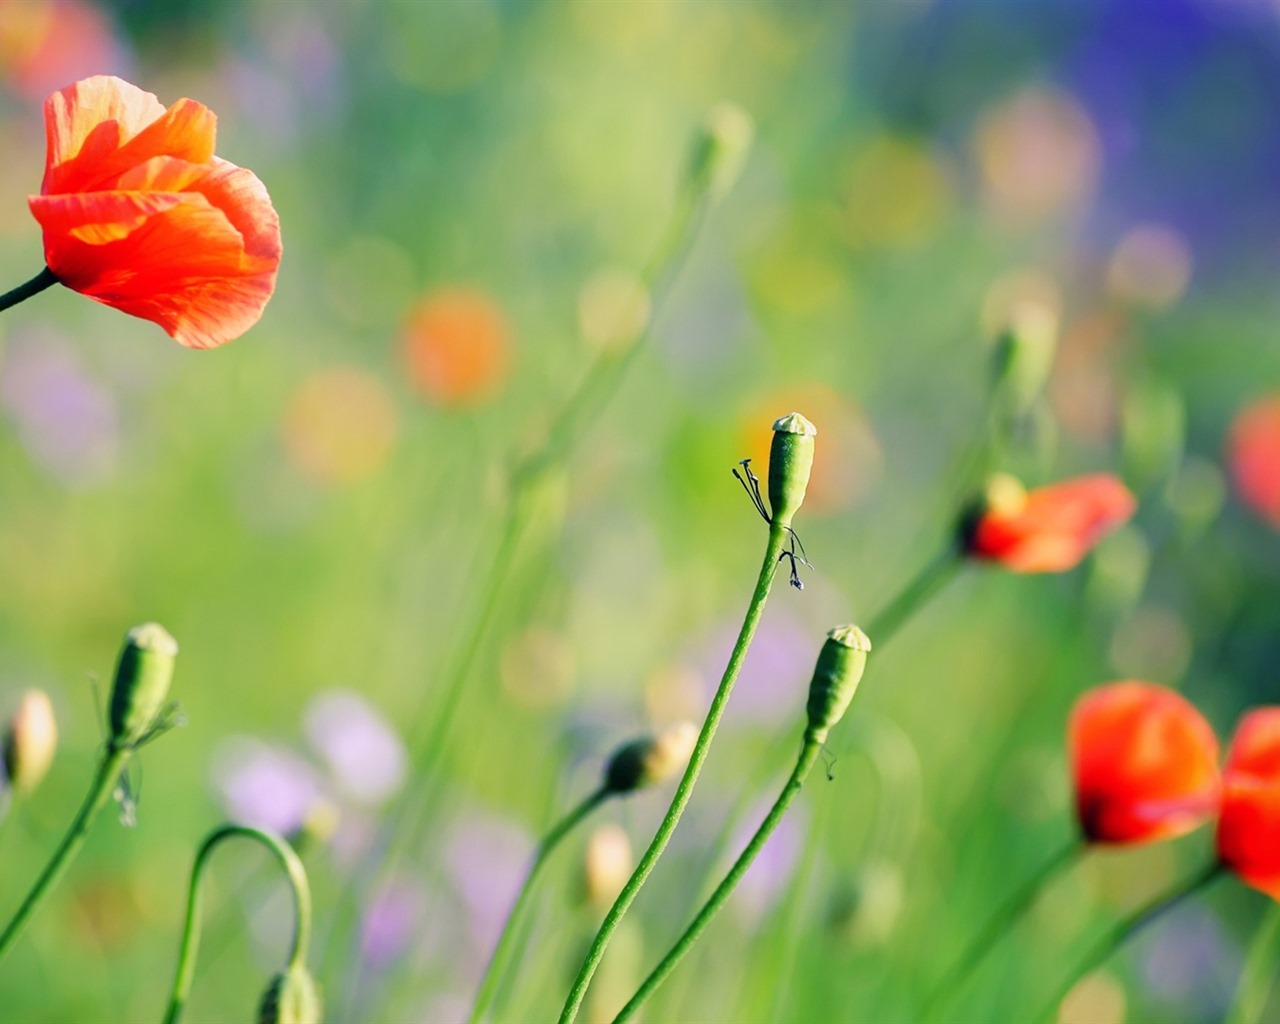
x,y
309,510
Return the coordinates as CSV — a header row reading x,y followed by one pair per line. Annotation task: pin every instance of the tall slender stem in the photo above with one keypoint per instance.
x,y
1119,934
297,875
1010,912
1257,979
778,536
110,766
24,291
910,598
497,966
808,755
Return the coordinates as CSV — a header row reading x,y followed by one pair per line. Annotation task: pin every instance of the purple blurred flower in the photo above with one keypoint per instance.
x,y
68,421
264,785
366,756
392,921
1191,959
773,678
486,857
768,877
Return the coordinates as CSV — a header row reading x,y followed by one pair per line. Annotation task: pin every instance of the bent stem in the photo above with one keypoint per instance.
x,y
932,578
808,755
497,966
110,767
1008,915
44,279
297,875
1119,934
778,536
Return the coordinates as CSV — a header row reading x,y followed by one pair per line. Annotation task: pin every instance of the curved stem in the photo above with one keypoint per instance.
x,y
297,875
24,291
773,551
932,578
110,766
1257,978
1010,913
1120,933
497,966
808,755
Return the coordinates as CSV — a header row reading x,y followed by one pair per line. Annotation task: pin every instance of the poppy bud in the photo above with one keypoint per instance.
x,y
1023,356
1145,764
141,684
30,742
841,662
720,149
291,998
1049,529
607,865
790,463
650,760
1249,820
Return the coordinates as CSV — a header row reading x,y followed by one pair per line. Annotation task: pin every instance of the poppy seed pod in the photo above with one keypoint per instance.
x,y
650,760
30,741
720,149
142,682
790,463
292,998
841,662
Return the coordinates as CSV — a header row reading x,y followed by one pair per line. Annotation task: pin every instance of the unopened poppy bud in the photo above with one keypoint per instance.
x,y
291,998
721,149
607,865
650,760
1023,356
30,742
142,682
841,662
790,463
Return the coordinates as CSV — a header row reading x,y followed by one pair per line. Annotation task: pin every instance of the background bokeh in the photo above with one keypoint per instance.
x,y
468,190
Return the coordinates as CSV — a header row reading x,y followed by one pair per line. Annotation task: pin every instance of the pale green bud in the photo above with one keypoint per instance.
x,y
650,760
292,998
720,149
841,662
790,464
142,682
1023,357
30,742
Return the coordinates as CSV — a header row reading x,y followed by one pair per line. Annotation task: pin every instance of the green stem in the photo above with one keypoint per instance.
x,y
808,755
1120,933
910,598
497,966
297,875
1008,915
35,286
1258,977
110,767
778,536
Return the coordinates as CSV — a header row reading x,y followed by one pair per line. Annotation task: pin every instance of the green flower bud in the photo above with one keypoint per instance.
x,y
790,463
141,684
720,149
1023,357
650,760
835,679
292,998
30,742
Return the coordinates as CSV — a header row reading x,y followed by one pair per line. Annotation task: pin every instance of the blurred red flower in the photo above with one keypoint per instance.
x,y
1049,529
1254,455
139,214
1145,764
1249,825
456,343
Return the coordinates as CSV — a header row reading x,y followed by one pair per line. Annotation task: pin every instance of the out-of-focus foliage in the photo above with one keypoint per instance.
x,y
468,190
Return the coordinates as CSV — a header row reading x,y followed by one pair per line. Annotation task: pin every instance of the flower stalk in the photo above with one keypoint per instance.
x,y
44,279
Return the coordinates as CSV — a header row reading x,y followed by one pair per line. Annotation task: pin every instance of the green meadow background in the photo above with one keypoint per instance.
x,y
306,518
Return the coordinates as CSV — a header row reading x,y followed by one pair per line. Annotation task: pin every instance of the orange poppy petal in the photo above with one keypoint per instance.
x,y
1249,823
1144,761
170,257
187,131
88,121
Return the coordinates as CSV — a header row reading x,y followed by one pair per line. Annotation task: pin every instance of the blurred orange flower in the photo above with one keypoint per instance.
x,y
139,214
1254,454
1249,825
1049,529
1145,764
340,425
456,346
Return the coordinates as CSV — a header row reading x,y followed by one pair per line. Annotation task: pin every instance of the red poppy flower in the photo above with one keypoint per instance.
x,y
1254,454
139,214
1145,764
1050,528
1249,824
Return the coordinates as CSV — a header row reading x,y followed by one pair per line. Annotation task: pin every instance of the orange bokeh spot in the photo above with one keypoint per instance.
x,y
1254,455
340,425
456,345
